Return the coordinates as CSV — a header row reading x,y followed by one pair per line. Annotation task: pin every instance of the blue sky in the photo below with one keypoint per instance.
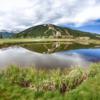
x,y
78,14
91,26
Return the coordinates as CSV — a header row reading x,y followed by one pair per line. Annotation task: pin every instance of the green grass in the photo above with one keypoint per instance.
x,y
54,84
2,41
41,40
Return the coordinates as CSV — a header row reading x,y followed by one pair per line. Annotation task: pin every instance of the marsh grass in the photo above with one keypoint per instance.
x,y
17,83
31,40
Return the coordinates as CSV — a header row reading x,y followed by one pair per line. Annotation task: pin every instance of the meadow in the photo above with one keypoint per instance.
x,y
27,40
76,83
34,40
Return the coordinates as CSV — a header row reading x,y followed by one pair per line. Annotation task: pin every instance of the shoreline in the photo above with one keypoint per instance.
x,y
37,40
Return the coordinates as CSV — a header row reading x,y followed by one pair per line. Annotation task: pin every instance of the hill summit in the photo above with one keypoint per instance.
x,y
52,31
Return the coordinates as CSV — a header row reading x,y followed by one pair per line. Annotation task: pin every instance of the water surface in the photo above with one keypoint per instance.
x,y
49,55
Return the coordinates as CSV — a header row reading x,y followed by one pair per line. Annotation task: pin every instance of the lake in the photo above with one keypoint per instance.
x,y
49,55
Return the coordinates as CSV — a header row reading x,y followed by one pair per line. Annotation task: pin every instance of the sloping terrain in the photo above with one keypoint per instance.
x,y
52,31
5,34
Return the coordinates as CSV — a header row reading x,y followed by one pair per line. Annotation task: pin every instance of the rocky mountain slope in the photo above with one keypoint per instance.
x,y
52,31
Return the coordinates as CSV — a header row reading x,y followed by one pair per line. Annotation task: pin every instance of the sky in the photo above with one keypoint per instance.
x,y
22,14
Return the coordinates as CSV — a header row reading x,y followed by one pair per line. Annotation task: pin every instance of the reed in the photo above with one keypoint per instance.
x,y
17,83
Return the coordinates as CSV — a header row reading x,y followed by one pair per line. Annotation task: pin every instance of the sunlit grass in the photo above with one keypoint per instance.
x,y
54,84
2,41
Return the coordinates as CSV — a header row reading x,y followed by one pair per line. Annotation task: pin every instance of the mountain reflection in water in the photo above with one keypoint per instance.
x,y
23,57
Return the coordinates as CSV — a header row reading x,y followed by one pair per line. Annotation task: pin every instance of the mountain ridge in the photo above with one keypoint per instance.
x,y
6,34
53,31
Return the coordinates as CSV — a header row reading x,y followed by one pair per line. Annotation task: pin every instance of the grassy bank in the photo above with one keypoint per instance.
x,y
31,84
2,41
34,40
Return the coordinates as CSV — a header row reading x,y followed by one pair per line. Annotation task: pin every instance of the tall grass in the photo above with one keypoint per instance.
x,y
32,84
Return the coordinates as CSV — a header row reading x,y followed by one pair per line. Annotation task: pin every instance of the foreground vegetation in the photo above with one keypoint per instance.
x,y
54,84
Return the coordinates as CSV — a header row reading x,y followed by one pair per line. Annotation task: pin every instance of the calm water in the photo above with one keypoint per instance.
x,y
49,55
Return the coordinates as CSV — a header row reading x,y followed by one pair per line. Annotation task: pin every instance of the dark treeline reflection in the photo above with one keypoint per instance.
x,y
50,47
49,55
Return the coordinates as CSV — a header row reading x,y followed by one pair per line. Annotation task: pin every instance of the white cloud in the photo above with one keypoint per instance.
x,y
20,14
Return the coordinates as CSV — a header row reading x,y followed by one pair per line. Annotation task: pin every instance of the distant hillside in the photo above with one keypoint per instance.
x,y
52,31
5,34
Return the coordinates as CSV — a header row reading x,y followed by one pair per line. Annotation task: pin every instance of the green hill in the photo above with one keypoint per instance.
x,y
52,31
